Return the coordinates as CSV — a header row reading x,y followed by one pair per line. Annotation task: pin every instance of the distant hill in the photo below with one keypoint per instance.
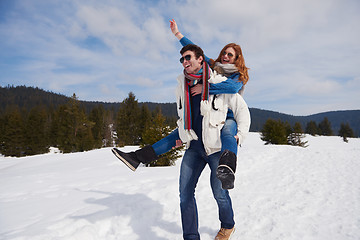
x,y
28,97
352,117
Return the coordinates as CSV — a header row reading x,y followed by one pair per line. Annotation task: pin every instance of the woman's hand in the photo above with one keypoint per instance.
x,y
178,144
175,30
237,139
197,89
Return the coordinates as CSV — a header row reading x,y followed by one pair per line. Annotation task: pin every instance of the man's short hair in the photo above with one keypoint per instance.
x,y
194,48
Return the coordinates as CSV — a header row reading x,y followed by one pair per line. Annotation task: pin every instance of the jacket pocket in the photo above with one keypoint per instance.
x,y
211,132
217,118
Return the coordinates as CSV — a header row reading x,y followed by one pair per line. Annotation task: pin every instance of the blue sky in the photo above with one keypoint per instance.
x,y
304,55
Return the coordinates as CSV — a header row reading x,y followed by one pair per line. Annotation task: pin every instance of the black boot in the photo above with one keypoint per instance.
x,y
226,169
133,159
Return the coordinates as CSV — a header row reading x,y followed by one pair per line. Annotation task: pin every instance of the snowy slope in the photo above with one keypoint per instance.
x,y
281,192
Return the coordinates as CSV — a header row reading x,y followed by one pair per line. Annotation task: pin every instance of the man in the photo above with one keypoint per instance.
x,y
201,118
195,157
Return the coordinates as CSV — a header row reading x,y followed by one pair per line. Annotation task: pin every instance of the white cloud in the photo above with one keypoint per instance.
x,y
112,25
296,50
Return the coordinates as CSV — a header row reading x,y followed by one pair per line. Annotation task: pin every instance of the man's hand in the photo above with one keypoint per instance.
x,y
175,30
173,26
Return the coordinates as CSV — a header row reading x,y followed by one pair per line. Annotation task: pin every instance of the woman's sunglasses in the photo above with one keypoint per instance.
x,y
229,54
187,57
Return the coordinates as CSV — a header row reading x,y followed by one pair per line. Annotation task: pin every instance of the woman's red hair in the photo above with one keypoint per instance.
x,y
239,61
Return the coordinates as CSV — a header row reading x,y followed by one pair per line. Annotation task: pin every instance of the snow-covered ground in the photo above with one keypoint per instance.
x,y
281,192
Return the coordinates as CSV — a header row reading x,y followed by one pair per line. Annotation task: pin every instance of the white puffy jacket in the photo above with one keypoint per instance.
x,y
214,112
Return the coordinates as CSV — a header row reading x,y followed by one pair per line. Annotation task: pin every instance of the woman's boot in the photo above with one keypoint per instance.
x,y
226,169
133,159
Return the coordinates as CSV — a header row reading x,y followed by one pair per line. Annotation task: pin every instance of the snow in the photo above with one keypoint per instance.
x,y
281,192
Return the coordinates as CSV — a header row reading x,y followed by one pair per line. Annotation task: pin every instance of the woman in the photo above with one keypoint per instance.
x,y
231,64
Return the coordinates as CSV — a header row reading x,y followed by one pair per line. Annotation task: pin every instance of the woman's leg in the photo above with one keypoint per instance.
x,y
167,143
227,164
148,153
228,132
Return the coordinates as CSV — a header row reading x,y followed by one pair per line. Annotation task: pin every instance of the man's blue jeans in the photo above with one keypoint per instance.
x,y
192,165
228,140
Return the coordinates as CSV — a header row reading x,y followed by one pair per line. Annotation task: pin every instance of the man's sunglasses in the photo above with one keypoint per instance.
x,y
229,54
187,57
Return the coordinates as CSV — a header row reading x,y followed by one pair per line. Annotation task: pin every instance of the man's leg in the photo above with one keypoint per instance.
x,y
191,167
222,197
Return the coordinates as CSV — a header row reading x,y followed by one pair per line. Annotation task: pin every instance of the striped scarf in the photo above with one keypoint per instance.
x,y
191,80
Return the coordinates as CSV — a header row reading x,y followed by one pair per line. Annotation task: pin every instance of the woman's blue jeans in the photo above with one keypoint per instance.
x,y
228,140
228,132
167,143
192,165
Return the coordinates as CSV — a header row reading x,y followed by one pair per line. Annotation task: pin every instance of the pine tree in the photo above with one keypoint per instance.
x,y
295,138
82,126
84,138
145,120
97,115
274,132
36,141
2,131
288,128
13,143
155,130
108,137
66,140
312,128
346,131
325,127
74,129
128,122
51,127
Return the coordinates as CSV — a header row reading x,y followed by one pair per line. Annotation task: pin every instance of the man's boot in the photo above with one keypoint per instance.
x,y
133,159
224,234
226,169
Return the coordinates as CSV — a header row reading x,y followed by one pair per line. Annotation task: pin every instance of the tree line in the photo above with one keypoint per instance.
x,y
279,132
71,128
29,97
68,127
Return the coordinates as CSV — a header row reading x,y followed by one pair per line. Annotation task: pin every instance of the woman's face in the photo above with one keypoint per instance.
x,y
228,56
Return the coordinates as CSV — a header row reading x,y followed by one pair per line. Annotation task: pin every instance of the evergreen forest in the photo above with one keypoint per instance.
x,y
66,123
33,120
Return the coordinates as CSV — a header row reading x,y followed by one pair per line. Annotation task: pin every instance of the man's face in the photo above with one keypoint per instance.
x,y
190,63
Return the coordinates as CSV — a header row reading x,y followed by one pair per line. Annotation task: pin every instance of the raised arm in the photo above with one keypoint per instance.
x,y
183,40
